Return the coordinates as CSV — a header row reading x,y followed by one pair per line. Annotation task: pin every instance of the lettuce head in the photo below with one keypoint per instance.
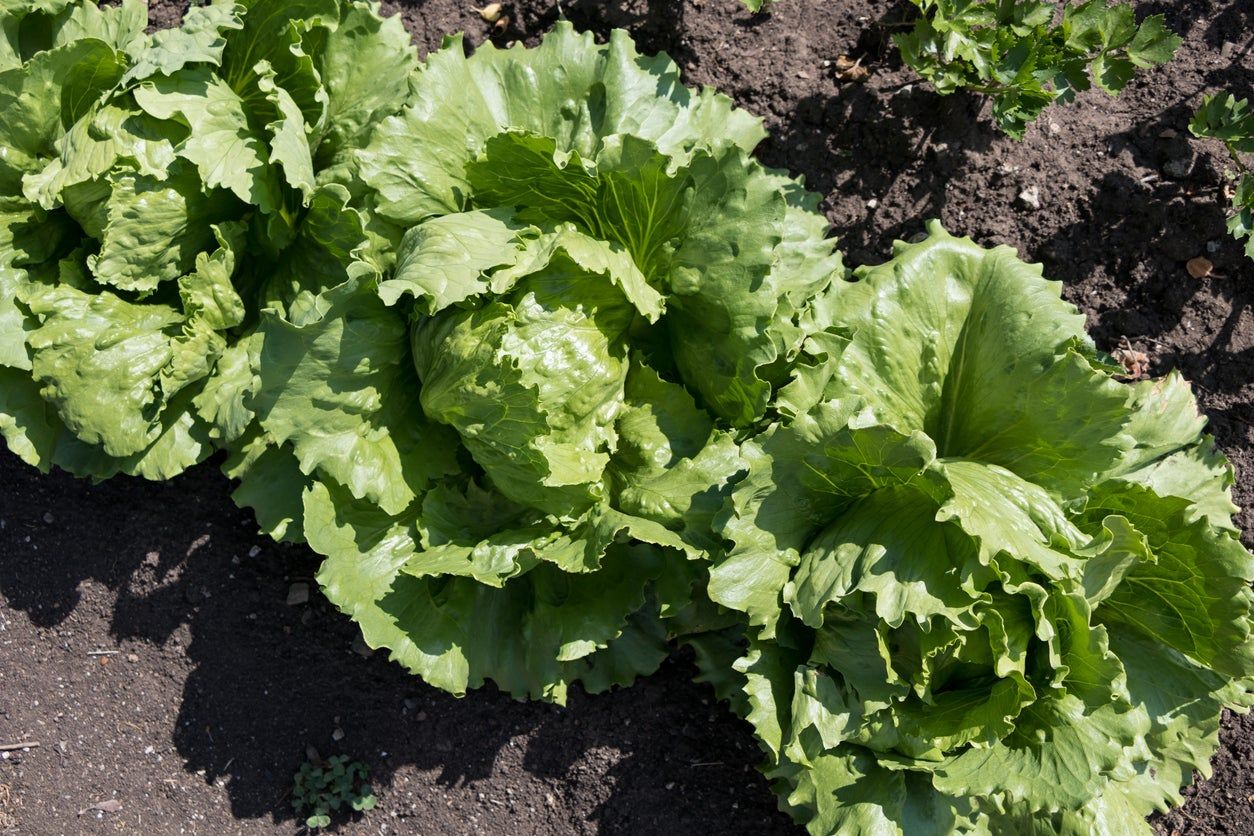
x,y
153,189
511,435
989,587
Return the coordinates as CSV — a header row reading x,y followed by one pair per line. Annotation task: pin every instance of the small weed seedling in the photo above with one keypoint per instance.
x,y
1026,56
325,788
1231,120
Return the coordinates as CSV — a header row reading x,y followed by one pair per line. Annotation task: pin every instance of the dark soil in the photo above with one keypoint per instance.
x,y
198,721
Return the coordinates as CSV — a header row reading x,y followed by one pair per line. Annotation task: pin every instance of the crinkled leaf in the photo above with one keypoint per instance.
x,y
972,347
569,89
156,228
341,389
530,636
199,39
227,152
533,387
445,261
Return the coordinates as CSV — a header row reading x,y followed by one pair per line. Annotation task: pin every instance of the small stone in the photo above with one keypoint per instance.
x,y
131,657
1200,267
670,785
1179,167
1214,246
1031,197
254,551
421,716
872,203
1055,128
297,594
491,12
48,518
337,735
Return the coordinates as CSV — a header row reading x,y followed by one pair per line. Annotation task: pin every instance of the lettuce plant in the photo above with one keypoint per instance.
x,y
990,589
510,444
152,189
549,371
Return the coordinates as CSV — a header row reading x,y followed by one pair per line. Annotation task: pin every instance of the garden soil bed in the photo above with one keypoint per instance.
x,y
212,687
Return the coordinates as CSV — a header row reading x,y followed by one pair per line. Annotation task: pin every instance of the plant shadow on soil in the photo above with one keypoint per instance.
x,y
267,680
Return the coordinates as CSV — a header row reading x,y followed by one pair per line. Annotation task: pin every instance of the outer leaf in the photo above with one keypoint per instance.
x,y
569,89
366,67
1061,769
1195,595
98,358
340,388
973,348
445,261
44,97
199,39
227,152
455,632
1172,456
155,228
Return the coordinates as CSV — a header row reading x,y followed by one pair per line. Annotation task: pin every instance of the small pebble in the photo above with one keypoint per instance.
x,y
1179,167
1031,197
1200,267
254,551
297,594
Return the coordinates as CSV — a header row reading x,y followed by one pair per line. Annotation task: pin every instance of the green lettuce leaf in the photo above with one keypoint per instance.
x,y
967,553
